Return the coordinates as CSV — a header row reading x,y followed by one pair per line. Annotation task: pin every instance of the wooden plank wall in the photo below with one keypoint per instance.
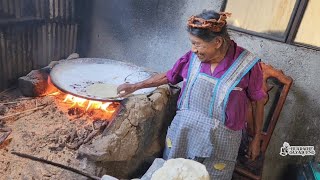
x,y
32,34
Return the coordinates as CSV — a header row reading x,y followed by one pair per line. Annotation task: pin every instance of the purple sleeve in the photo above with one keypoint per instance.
x,y
255,90
179,69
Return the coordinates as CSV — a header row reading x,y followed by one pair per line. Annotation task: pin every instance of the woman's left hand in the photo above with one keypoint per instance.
x,y
254,148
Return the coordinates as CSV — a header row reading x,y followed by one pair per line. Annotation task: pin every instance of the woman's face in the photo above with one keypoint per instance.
x,y
206,51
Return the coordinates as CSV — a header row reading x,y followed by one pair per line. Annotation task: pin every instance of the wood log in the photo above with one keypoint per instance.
x,y
29,110
56,164
4,133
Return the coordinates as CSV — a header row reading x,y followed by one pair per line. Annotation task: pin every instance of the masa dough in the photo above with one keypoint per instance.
x,y
181,169
102,90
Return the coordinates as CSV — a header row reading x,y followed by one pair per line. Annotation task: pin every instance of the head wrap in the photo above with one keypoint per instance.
x,y
211,24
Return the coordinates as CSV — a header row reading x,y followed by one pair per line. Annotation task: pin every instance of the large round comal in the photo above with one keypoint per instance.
x,y
97,79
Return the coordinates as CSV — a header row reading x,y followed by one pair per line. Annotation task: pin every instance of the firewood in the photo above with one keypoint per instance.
x,y
5,143
94,133
73,135
4,133
57,165
16,101
5,129
29,110
75,145
6,90
91,135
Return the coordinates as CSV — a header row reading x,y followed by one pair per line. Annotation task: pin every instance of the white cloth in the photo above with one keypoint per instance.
x,y
107,177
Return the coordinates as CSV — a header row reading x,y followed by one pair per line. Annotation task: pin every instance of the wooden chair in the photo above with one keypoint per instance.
x,y
277,85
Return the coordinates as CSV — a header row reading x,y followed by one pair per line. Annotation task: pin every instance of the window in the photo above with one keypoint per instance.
x,y
308,32
289,21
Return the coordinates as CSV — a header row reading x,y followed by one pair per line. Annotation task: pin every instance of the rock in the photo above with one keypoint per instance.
x,y
52,64
36,83
73,56
130,144
157,102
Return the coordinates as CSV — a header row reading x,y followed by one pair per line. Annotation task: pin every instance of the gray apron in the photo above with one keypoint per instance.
x,y
198,131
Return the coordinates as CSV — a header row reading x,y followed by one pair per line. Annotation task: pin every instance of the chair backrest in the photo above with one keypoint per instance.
x,y
277,85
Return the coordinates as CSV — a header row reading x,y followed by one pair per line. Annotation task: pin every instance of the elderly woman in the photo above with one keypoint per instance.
x,y
219,77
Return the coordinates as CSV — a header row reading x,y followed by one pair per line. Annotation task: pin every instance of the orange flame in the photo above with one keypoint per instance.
x,y
98,105
76,101
54,93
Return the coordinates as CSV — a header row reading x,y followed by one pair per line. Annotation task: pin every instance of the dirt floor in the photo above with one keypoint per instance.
x,y
48,132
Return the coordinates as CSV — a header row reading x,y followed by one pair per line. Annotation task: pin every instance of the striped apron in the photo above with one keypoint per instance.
x,y
198,131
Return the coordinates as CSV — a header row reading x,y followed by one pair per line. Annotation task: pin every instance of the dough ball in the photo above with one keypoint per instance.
x,y
181,169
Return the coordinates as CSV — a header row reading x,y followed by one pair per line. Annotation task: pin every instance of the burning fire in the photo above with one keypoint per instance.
x,y
89,104
95,109
54,93
80,106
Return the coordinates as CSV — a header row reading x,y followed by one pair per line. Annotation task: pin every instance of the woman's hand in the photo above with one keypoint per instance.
x,y
254,148
125,89
154,81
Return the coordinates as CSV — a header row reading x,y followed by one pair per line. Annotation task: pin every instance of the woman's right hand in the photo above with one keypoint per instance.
x,y
154,81
125,89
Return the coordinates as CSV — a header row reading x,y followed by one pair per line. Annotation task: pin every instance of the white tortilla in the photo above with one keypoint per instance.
x,y
102,90
181,169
